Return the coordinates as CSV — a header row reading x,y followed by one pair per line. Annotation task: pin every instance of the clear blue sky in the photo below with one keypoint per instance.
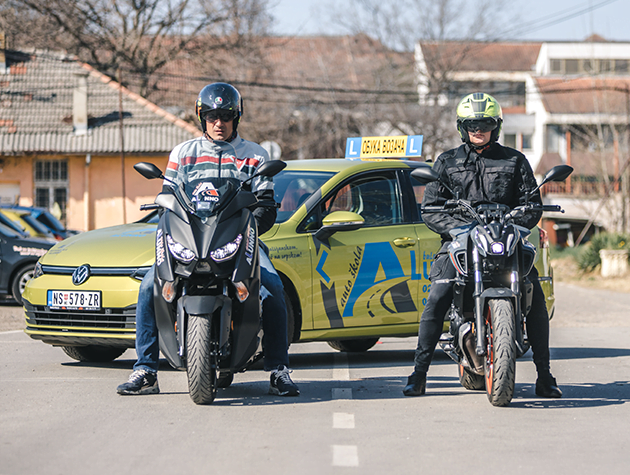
x,y
552,20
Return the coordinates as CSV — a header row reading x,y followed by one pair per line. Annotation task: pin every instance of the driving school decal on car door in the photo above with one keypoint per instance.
x,y
369,284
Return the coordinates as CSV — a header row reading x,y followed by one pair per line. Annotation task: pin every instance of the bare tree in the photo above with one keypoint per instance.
x,y
138,36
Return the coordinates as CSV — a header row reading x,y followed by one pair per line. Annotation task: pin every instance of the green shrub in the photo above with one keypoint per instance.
x,y
588,257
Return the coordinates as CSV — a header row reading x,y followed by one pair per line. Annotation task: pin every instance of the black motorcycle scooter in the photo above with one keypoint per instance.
x,y
207,279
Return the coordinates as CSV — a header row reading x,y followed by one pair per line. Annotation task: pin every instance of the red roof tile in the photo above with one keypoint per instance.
x,y
585,95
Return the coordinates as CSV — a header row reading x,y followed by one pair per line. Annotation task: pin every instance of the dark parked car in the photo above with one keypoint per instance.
x,y
41,218
18,256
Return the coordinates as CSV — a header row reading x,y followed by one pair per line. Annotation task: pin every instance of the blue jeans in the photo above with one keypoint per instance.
x,y
274,320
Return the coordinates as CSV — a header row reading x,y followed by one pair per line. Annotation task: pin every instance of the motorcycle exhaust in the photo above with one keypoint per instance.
x,y
468,346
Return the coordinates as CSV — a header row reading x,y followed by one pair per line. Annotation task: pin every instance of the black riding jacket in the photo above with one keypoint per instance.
x,y
497,174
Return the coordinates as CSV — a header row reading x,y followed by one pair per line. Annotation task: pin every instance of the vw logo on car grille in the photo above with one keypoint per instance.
x,y
81,274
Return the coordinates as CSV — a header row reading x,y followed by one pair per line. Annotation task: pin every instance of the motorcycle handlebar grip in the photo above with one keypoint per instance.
x,y
149,207
552,208
432,209
267,203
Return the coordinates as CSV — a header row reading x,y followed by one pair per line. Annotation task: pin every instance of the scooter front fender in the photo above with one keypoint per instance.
x,y
205,306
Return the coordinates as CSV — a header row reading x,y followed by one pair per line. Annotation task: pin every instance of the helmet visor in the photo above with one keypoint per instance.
x,y
487,124
216,114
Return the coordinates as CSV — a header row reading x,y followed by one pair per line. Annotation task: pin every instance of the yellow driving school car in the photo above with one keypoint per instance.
x,y
349,244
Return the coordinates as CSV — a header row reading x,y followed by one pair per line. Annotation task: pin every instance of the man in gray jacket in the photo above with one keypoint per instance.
x,y
219,108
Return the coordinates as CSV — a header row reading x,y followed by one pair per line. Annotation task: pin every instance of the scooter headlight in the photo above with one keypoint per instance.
x,y
179,252
227,251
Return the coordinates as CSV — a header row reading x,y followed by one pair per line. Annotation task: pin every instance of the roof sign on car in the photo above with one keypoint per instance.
x,y
398,146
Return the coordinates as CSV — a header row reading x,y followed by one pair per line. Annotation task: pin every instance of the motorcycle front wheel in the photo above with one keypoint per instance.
x,y
500,360
202,361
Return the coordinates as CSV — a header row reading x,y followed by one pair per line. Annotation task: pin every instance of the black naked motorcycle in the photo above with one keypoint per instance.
x,y
207,279
492,293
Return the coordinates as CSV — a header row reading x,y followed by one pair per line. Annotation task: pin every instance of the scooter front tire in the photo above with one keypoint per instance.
x,y
201,359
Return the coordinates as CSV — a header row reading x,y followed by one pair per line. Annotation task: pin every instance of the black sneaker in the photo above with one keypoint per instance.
x,y
546,386
416,384
280,383
140,382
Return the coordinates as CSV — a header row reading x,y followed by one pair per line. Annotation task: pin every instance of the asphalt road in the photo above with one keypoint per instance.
x,y
58,416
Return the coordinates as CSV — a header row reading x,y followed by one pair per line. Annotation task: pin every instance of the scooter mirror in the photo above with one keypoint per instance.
x,y
148,170
271,168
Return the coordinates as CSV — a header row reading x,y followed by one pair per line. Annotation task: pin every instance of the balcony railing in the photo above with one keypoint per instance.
x,y
581,186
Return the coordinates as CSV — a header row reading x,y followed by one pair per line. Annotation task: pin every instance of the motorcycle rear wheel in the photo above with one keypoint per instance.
x,y
500,360
202,360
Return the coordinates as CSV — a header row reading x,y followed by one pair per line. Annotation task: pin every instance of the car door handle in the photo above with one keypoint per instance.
x,y
404,242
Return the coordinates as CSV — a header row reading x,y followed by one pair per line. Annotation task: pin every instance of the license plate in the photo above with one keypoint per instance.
x,y
74,299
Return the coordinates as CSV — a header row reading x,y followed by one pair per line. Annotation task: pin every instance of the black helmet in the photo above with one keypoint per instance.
x,y
479,111
219,95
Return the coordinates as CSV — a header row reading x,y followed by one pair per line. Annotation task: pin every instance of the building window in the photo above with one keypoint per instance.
x,y
51,186
555,65
571,66
621,66
527,141
509,140
554,134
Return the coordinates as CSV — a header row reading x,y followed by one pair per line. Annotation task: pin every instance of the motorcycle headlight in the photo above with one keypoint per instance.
x,y
226,251
497,247
179,252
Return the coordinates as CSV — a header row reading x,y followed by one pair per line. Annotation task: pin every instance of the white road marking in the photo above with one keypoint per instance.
x,y
345,456
341,371
343,420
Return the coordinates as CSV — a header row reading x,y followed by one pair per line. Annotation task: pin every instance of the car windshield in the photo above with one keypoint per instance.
x,y
205,197
293,187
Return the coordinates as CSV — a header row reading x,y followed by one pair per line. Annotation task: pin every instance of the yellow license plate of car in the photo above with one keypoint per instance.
x,y
74,299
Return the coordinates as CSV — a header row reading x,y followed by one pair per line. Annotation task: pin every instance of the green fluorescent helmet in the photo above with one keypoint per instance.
x,y
479,111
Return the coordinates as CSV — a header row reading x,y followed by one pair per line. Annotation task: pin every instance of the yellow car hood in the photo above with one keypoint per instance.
x,y
128,245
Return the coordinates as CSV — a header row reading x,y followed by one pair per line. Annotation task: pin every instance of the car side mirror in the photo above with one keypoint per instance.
x,y
339,221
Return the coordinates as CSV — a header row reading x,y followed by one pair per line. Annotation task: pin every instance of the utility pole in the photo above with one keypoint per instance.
x,y
122,146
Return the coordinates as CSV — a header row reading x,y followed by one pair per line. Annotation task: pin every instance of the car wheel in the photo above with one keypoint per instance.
x,y
353,346
93,354
20,280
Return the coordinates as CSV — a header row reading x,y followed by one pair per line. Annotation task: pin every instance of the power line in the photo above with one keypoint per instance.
x,y
553,19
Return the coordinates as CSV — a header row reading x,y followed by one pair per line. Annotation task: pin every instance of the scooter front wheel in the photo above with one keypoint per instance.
x,y
202,359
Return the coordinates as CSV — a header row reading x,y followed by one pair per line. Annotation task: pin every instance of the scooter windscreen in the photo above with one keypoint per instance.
x,y
205,197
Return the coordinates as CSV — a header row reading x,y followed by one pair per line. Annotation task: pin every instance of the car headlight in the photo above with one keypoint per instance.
x,y
180,253
227,251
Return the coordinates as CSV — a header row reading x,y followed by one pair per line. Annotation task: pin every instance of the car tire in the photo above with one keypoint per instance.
x,y
93,354
353,346
22,276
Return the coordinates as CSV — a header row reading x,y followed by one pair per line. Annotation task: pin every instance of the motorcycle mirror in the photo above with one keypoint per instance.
x,y
425,175
558,173
148,170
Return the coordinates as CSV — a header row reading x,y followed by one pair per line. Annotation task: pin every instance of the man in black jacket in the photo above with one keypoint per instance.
x,y
479,170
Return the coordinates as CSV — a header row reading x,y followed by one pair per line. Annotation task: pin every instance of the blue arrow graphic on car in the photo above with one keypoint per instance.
x,y
320,265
